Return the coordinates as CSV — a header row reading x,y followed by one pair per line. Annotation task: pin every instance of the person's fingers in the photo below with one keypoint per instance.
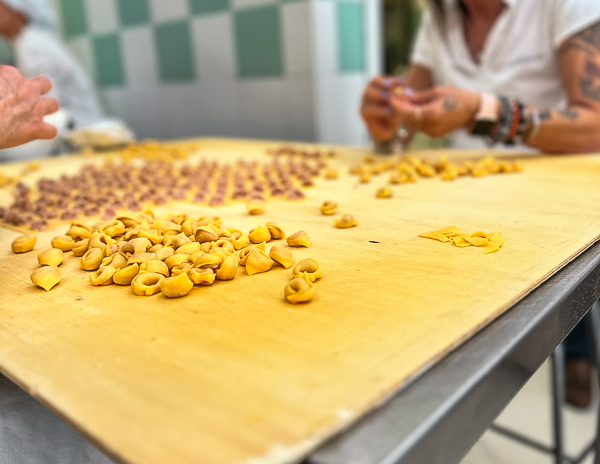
x,y
42,83
386,82
48,106
402,108
376,95
376,111
419,98
44,131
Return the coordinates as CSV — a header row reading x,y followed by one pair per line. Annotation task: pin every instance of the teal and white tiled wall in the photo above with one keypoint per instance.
x,y
286,69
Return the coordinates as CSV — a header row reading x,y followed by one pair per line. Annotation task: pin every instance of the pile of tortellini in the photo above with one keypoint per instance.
x,y
173,253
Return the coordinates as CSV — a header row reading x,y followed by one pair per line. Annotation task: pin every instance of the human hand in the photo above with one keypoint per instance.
x,y
439,111
22,108
380,116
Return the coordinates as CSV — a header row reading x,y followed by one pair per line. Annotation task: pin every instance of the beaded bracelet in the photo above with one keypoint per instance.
x,y
505,121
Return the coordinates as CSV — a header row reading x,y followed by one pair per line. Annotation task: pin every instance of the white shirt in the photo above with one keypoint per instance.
x,y
520,57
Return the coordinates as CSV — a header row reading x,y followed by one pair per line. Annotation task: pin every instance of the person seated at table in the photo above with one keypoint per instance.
x,y
505,73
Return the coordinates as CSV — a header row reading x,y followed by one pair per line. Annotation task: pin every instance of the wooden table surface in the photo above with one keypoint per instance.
x,y
232,373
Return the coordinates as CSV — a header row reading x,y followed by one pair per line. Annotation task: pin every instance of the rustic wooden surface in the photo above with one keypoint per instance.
x,y
233,374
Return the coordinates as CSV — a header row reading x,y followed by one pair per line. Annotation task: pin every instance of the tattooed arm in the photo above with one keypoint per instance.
x,y
576,129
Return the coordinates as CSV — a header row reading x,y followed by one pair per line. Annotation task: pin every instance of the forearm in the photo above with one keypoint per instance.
x,y
575,130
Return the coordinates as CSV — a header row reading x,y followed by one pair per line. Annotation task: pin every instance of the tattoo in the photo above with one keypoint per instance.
x,y
578,46
591,36
592,69
588,41
450,104
569,114
590,88
545,115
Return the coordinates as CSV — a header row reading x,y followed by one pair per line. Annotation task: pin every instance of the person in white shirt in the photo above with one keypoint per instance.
x,y
514,72
520,73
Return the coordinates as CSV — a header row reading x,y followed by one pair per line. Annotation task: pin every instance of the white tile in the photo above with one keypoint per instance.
x,y
102,16
324,38
338,101
299,110
167,10
214,48
219,110
81,47
262,110
183,105
252,3
141,109
297,40
139,57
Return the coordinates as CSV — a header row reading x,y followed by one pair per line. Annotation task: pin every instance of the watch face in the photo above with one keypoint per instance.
x,y
483,127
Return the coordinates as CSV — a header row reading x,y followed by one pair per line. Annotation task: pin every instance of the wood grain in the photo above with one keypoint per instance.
x,y
233,374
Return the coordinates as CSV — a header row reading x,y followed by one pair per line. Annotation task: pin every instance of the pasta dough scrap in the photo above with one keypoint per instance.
x,y
494,244
460,241
435,236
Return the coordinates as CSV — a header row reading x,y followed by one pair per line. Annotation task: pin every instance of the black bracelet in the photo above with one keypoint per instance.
x,y
505,121
522,123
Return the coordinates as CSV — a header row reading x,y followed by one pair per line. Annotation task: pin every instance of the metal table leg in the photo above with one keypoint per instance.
x,y
558,398
593,325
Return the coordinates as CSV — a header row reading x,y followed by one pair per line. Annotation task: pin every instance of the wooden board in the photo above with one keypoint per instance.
x,y
233,374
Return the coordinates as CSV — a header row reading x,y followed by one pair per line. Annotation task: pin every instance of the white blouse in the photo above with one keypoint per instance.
x,y
519,59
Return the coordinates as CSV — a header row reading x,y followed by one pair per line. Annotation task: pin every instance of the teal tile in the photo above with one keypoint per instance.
x,y
74,17
109,60
201,7
133,12
174,47
258,39
351,36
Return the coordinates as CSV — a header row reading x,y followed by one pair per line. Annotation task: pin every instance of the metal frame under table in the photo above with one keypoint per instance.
x,y
438,417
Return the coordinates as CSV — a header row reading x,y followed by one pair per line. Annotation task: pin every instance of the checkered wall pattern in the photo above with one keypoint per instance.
x,y
256,26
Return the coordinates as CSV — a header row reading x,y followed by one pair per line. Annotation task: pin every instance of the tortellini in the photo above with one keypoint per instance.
x,y
260,234
346,222
258,261
282,255
51,257
24,243
328,208
299,290
176,287
46,277
309,267
298,239
147,283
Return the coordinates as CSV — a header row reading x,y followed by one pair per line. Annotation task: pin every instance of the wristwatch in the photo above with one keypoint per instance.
x,y
487,115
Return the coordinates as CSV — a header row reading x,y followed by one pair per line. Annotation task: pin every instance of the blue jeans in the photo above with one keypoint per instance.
x,y
577,344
